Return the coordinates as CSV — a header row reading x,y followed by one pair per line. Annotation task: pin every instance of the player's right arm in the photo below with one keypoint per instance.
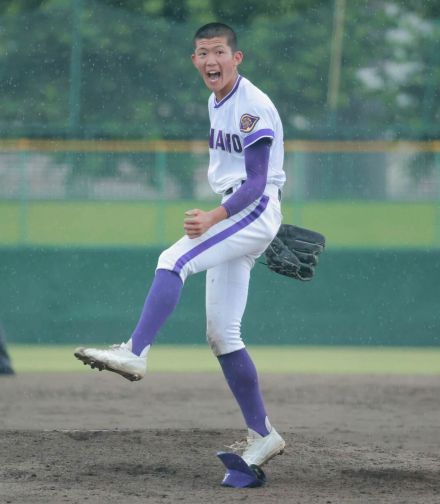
x,y
198,221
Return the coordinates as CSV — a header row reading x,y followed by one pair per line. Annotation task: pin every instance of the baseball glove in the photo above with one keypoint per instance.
x,y
294,252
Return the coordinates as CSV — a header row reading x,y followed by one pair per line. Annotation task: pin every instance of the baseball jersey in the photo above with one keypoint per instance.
x,y
241,118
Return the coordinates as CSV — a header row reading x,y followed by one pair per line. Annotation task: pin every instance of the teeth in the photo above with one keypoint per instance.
x,y
214,76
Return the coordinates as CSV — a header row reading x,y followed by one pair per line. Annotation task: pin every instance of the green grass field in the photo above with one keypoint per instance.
x,y
86,223
314,360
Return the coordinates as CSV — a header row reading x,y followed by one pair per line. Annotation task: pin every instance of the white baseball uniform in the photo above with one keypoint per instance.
x,y
228,250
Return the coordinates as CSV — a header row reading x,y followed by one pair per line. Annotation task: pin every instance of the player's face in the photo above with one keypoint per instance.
x,y
217,64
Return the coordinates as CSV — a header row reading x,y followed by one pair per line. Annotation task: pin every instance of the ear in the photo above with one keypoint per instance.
x,y
193,59
238,57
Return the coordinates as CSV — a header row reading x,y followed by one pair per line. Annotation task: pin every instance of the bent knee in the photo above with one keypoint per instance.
x,y
223,339
166,260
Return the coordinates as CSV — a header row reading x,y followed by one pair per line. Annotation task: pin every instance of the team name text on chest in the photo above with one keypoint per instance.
x,y
224,141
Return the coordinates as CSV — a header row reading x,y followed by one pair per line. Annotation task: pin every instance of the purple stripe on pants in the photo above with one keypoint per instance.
x,y
210,242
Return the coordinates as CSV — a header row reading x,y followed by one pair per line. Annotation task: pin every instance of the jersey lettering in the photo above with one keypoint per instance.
x,y
228,142
219,143
224,141
236,143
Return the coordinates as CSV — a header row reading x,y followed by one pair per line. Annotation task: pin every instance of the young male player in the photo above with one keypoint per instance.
x,y
5,361
246,170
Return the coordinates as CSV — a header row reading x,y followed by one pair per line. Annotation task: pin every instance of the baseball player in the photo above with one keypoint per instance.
x,y
246,170
5,361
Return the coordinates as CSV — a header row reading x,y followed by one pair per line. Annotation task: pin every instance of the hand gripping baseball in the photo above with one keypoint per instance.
x,y
198,221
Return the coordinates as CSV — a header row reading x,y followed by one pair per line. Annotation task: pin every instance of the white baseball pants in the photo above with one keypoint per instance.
x,y
227,251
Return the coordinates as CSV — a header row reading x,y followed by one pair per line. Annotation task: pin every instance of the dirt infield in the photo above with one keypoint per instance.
x,y
94,437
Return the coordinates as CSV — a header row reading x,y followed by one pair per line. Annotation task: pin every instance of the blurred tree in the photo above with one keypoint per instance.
x,y
135,6
169,9
175,11
429,9
243,14
17,6
137,79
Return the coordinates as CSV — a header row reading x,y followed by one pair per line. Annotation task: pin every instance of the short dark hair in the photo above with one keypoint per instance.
x,y
212,30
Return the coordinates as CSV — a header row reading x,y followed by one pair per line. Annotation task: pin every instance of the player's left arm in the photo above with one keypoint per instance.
x,y
256,158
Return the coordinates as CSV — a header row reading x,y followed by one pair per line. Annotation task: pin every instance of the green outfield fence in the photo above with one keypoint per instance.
x,y
83,222
89,296
134,193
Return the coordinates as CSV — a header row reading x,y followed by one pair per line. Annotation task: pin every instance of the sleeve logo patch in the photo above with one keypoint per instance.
x,y
248,122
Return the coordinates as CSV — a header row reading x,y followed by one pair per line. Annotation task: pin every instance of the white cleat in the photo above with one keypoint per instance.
x,y
117,358
260,449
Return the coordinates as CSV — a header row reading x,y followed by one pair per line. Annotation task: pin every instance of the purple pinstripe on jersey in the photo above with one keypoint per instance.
x,y
210,242
262,133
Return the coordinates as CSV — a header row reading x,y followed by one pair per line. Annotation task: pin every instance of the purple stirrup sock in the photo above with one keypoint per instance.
x,y
161,300
241,375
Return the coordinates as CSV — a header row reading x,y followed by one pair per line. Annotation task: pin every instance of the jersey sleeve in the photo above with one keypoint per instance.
x,y
256,122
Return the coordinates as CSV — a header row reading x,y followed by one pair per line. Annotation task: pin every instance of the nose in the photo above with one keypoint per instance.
x,y
211,60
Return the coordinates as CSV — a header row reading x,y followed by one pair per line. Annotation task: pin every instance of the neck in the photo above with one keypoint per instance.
x,y
219,96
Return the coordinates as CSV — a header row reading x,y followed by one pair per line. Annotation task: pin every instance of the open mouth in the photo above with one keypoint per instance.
x,y
213,76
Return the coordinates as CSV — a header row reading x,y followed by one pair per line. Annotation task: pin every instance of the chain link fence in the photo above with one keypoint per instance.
x,y
327,184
